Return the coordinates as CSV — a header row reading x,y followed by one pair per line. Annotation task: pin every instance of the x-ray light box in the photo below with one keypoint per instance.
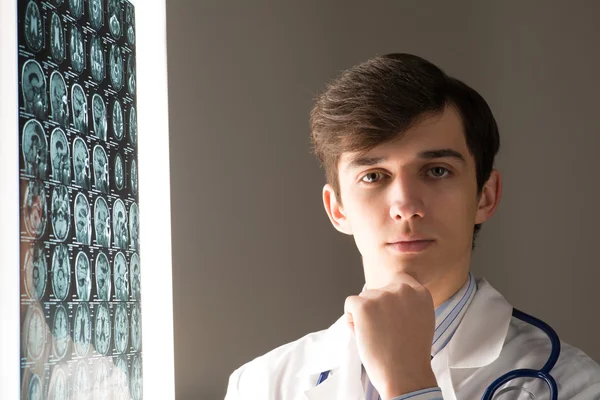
x,y
85,255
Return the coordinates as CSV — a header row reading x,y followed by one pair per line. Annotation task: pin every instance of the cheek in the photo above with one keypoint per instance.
x,y
367,220
455,215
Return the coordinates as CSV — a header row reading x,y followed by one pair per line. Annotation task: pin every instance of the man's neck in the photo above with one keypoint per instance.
x,y
445,287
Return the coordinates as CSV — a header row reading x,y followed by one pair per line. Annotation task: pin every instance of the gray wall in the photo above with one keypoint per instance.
x,y
256,263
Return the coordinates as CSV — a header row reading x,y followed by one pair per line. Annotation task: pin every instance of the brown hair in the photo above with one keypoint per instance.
x,y
375,102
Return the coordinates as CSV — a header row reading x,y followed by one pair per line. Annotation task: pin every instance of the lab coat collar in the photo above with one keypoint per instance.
x,y
479,338
337,353
477,342
330,351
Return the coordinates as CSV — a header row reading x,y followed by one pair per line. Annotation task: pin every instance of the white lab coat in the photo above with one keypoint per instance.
x,y
488,343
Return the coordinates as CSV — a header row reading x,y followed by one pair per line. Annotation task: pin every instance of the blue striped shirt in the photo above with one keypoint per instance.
x,y
447,318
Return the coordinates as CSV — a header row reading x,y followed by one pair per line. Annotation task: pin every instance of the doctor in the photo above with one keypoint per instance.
x,y
408,154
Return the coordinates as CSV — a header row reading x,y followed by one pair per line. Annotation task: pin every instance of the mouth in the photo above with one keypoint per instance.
x,y
410,246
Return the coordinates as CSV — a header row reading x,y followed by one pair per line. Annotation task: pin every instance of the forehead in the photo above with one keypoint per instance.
x,y
436,136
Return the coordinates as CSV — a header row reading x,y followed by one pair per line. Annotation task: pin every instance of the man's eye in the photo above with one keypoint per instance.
x,y
439,172
371,177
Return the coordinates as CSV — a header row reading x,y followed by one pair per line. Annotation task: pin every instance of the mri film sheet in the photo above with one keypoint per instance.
x,y
81,316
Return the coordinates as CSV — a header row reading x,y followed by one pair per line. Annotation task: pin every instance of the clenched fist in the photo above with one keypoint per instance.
x,y
394,327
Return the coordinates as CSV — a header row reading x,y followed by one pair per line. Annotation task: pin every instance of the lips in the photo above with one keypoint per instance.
x,y
410,246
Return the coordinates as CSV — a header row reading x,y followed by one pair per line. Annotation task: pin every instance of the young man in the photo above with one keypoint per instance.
x,y
408,153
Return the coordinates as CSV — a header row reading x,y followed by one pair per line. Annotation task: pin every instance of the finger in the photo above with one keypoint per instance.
x,y
350,309
349,321
371,293
352,304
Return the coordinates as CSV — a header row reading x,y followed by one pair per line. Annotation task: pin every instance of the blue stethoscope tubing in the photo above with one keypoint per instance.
x,y
543,373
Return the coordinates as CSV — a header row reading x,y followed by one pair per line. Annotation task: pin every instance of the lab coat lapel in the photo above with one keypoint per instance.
x,y
336,353
476,343
343,383
439,365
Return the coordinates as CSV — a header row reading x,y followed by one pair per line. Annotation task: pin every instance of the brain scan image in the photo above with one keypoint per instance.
x,y
120,277
136,327
60,157
35,149
83,274
34,333
117,117
60,332
114,18
131,74
33,87
34,31
121,328
81,163
130,21
119,171
76,8
99,115
36,270
35,209
79,108
134,272
59,389
103,329
100,169
61,212
102,380
97,58
134,177
57,39
82,329
82,382
36,389
79,233
77,49
120,230
116,67
133,126
103,285
61,272
136,378
102,222
96,13
83,220
120,374
58,99
134,227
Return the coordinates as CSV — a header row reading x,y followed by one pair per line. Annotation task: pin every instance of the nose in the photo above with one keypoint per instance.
x,y
406,199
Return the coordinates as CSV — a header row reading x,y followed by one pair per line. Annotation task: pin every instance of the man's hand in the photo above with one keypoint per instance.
x,y
394,326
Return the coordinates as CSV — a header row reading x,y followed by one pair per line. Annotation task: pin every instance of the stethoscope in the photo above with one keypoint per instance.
x,y
543,373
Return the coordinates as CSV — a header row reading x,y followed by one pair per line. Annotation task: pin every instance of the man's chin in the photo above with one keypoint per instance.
x,y
378,277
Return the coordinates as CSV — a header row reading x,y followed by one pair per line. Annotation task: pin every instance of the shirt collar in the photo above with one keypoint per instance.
x,y
449,314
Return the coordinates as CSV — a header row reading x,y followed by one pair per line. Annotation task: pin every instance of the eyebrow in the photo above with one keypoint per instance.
x,y
427,155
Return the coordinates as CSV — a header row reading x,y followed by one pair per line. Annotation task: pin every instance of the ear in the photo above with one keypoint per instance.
x,y
335,211
489,198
